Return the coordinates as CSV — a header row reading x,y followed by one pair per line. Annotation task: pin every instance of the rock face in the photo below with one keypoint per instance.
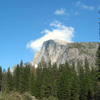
x,y
59,52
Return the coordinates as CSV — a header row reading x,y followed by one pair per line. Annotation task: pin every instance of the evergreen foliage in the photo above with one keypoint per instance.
x,y
98,62
0,78
49,82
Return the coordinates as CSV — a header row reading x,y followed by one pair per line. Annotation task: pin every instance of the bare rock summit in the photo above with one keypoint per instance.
x,y
57,51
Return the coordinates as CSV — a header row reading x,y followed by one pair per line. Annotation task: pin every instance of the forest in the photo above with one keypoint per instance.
x,y
49,82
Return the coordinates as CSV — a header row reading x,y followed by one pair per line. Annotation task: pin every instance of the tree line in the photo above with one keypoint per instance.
x,y
58,83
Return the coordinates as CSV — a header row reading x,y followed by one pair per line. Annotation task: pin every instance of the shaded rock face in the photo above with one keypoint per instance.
x,y
59,52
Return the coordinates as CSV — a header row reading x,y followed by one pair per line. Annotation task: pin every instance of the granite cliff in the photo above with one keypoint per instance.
x,y
60,51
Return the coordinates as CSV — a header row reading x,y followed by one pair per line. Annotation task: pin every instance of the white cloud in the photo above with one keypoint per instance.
x,y
60,11
84,6
59,32
87,7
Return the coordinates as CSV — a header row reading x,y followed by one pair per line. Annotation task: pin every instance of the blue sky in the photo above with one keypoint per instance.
x,y
26,23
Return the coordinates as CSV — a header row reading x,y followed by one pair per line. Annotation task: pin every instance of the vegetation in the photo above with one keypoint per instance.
x,y
49,82
16,96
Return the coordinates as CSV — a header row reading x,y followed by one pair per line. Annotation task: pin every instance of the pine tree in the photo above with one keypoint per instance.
x,y
45,86
90,80
98,62
16,78
9,80
38,81
0,78
4,81
21,78
82,82
24,78
65,82
75,86
32,80
49,80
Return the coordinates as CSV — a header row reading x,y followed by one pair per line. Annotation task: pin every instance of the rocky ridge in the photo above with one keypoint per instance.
x,y
59,52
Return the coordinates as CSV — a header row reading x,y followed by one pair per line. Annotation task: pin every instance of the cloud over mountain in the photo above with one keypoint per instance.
x,y
58,32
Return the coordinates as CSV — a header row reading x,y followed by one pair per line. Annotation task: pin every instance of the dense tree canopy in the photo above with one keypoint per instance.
x,y
50,82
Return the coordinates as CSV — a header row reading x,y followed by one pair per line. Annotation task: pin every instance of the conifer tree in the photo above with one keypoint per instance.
x,y
9,80
38,81
22,78
16,78
32,87
75,86
0,78
65,82
4,81
98,62
47,84
82,82
26,75
97,91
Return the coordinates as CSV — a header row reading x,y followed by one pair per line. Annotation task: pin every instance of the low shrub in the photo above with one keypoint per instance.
x,y
16,96
50,98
